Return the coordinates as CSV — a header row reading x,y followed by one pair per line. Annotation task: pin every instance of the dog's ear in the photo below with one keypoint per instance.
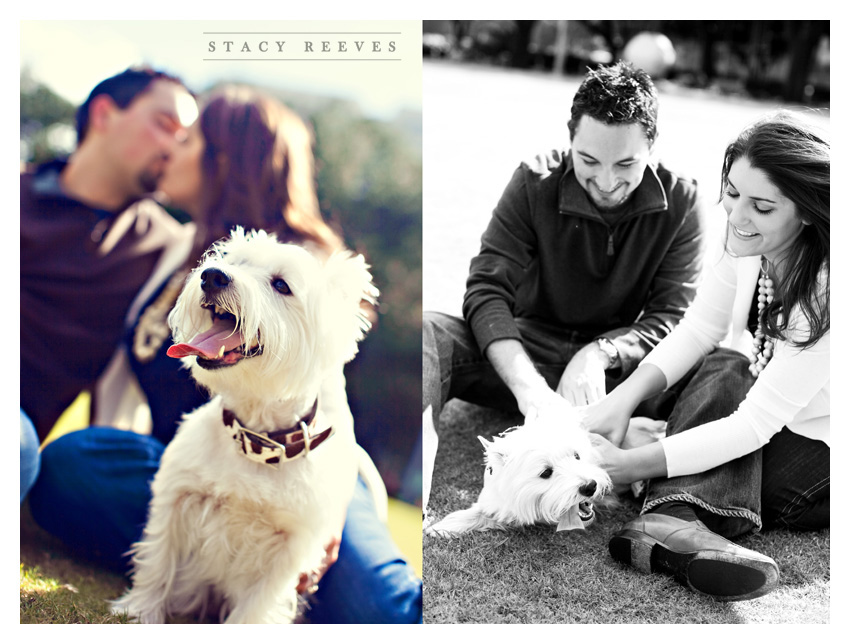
x,y
463,521
493,455
342,314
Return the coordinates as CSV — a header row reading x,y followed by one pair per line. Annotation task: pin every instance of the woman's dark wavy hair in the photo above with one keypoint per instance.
x,y
796,160
258,171
618,94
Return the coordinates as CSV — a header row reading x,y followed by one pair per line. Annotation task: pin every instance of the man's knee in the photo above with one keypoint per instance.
x,y
30,457
437,326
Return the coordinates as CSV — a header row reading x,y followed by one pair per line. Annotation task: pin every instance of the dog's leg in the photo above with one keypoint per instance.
x,y
269,601
261,586
267,597
463,521
153,576
162,581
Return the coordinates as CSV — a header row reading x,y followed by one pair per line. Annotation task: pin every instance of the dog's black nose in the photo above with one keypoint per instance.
x,y
214,279
588,489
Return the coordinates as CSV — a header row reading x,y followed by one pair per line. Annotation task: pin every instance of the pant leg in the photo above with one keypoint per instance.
x,y
454,367
727,498
795,482
370,583
30,457
94,490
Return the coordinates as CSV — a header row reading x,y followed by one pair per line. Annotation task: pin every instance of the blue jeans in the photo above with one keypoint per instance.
x,y
94,490
785,483
30,458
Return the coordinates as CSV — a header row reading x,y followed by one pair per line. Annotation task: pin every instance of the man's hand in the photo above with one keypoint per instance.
x,y
583,381
543,404
533,395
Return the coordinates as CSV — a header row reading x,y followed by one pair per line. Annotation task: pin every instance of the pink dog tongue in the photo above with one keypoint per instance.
x,y
570,520
208,344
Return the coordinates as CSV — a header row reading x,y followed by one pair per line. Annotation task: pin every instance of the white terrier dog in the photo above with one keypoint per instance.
x,y
545,471
256,483
539,472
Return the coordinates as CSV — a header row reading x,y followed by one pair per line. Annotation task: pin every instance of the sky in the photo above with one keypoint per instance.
x,y
375,63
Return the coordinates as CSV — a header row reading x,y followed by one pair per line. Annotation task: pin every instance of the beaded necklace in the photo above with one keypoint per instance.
x,y
762,345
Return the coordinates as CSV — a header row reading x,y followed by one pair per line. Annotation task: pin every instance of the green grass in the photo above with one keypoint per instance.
x,y
57,588
538,575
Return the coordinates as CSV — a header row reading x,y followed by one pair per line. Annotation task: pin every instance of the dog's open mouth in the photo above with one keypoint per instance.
x,y
585,512
222,345
578,517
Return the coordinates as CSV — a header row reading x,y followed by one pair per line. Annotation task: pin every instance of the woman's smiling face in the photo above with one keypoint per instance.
x,y
762,221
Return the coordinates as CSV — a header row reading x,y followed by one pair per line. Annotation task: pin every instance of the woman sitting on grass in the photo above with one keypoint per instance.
x,y
747,441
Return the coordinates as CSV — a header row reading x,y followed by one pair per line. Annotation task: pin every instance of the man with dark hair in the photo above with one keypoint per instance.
x,y
122,89
591,257
89,240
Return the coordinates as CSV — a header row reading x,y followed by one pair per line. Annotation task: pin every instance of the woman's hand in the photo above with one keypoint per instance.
x,y
607,418
610,416
625,466
611,459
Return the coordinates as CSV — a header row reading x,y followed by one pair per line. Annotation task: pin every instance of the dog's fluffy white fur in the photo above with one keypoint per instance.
x,y
544,472
224,532
540,472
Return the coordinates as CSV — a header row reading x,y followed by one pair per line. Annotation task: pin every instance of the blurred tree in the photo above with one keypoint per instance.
x,y
520,54
40,109
765,57
370,183
804,40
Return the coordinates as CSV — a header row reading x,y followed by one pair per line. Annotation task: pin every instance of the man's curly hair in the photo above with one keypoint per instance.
x,y
618,94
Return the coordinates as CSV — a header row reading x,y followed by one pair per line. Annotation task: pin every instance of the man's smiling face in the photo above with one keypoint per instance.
x,y
609,160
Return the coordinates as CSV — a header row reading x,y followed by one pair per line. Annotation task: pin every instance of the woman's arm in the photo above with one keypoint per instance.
x,y
794,386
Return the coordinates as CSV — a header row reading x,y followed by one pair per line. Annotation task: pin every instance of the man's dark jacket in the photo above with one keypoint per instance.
x,y
549,255
79,273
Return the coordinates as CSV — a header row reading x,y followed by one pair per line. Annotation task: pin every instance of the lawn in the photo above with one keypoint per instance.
x,y
479,123
58,588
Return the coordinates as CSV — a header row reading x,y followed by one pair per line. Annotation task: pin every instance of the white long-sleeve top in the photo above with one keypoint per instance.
x,y
792,391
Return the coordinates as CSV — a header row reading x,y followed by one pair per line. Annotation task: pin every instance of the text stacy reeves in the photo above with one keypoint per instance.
x,y
302,46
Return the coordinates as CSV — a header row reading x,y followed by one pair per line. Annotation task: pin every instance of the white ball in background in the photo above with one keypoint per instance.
x,y
651,52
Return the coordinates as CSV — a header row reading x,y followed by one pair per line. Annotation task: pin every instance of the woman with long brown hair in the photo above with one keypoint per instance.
x,y
748,438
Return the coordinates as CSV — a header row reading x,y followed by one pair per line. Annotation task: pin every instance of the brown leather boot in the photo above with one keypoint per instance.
x,y
697,557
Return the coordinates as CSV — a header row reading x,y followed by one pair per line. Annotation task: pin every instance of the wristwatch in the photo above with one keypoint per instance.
x,y
609,350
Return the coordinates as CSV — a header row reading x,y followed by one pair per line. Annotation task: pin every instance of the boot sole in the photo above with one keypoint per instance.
x,y
721,575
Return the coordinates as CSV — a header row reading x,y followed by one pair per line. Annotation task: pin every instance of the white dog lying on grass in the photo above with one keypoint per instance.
x,y
541,472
